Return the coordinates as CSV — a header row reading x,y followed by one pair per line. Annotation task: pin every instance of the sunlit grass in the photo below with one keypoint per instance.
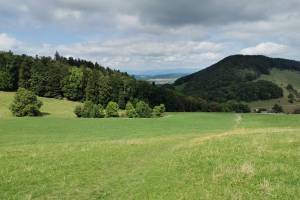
x,y
181,156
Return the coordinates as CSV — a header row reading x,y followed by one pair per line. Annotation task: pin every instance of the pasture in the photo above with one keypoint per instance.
x,y
180,156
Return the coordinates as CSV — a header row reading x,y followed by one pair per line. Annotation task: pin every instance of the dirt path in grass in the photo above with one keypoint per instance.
x,y
238,120
243,131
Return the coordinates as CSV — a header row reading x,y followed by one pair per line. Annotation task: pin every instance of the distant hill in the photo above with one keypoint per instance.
x,y
243,78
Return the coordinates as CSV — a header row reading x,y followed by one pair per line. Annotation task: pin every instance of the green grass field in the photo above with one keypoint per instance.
x,y
179,156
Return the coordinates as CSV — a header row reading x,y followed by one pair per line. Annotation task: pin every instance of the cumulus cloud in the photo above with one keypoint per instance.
x,y
267,48
8,43
136,53
156,33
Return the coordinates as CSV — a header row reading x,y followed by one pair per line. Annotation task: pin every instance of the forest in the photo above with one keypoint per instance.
x,y
81,80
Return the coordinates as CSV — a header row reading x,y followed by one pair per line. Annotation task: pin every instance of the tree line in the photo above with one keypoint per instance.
x,y
81,80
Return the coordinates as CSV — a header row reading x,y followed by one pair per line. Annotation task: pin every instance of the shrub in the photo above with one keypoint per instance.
x,y
78,111
158,111
101,110
277,109
94,112
123,113
237,107
89,110
130,110
291,98
297,111
25,103
162,108
112,109
143,110
289,87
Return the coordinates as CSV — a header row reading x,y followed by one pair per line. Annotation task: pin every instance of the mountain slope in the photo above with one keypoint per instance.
x,y
282,78
239,77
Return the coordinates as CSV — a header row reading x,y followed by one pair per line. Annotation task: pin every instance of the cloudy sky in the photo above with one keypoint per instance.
x,y
138,35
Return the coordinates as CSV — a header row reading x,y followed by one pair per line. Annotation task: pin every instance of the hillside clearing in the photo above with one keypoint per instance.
x,y
281,78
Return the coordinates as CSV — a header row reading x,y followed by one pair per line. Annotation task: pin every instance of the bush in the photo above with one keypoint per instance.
x,y
101,111
94,111
291,98
162,108
123,113
237,107
78,111
130,110
25,103
297,111
143,110
277,109
158,111
112,109
89,110
97,111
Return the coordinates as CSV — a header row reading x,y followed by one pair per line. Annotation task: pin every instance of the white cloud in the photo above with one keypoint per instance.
x,y
8,43
146,34
267,48
132,53
141,53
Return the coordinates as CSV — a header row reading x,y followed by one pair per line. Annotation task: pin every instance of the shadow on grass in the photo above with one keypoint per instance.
x,y
43,114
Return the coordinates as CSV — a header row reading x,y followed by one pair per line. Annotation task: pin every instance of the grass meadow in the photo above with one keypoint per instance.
x,y
180,156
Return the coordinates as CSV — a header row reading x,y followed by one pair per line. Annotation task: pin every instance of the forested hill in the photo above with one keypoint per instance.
x,y
81,80
237,77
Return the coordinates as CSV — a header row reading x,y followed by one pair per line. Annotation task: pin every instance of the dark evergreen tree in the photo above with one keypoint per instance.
x,y
25,72
92,90
104,90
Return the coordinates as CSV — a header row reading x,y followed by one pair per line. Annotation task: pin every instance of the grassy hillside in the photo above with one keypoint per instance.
x,y
281,78
180,156
50,108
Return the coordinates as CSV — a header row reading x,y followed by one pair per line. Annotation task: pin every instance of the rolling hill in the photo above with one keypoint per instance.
x,y
257,80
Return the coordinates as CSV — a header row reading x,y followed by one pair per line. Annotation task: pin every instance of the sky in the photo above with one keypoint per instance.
x,y
151,35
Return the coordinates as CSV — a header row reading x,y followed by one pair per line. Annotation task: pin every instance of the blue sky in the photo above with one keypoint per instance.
x,y
151,35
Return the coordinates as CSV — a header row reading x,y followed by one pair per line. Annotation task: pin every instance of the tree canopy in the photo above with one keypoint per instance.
x,y
25,103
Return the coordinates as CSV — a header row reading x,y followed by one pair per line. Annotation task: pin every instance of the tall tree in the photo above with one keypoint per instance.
x,y
92,90
73,85
104,90
24,73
